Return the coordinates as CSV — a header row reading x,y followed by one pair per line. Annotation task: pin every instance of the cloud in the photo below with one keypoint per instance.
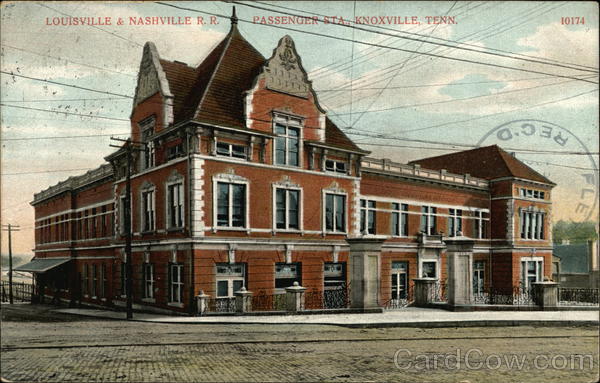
x,y
513,89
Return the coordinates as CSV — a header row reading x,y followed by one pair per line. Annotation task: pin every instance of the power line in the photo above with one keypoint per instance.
x,y
61,137
67,113
413,33
71,99
371,75
557,165
595,70
442,84
516,150
429,36
64,84
370,50
67,60
381,46
394,75
456,99
45,171
503,112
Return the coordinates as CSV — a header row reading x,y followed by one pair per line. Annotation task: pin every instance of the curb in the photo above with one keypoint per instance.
x,y
421,324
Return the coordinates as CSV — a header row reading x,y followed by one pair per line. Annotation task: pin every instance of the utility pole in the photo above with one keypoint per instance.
x,y
10,228
127,224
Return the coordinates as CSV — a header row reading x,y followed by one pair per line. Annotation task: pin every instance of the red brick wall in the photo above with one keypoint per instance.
x,y
260,192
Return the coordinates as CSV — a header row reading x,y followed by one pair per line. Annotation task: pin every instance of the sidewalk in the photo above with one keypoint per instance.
x,y
408,317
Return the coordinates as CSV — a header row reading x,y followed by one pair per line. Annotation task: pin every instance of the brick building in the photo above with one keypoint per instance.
x,y
245,181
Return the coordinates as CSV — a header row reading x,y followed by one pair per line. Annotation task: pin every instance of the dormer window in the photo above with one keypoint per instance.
x,y
287,142
231,150
335,166
147,129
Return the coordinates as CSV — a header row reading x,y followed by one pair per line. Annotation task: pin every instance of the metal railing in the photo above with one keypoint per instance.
x,y
22,291
221,305
568,296
337,298
403,301
517,296
268,302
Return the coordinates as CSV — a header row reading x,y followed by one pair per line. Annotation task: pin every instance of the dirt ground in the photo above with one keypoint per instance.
x,y
40,345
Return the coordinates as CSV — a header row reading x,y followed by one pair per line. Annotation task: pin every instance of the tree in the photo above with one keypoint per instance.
x,y
574,231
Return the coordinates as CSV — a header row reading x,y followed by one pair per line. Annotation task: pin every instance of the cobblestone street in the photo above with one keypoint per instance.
x,y
38,345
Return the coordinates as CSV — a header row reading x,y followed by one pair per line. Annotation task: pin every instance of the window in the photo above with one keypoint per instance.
x,y
175,205
85,283
286,274
367,216
429,269
335,213
287,142
147,129
334,275
454,222
231,205
230,278
104,278
399,280
174,151
86,225
529,193
428,221
400,219
532,225
335,166
94,225
478,277
148,277
480,223
287,207
176,283
148,210
231,150
94,291
103,219
531,271
123,278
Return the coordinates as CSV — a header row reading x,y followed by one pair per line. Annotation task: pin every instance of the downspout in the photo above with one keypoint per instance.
x,y
188,218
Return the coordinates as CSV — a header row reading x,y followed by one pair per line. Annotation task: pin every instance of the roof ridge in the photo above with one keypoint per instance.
x,y
504,153
227,38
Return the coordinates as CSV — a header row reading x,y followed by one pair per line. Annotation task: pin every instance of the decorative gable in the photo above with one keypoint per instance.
x,y
152,79
283,71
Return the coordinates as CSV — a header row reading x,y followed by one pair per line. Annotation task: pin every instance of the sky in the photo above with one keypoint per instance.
x,y
523,75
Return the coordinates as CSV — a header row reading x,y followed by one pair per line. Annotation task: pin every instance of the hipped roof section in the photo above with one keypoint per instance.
x,y
488,162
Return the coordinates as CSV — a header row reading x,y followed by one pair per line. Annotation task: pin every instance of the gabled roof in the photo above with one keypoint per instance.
x,y
214,92
489,162
335,137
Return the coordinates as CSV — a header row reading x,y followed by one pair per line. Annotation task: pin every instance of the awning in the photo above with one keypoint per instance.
x,y
41,265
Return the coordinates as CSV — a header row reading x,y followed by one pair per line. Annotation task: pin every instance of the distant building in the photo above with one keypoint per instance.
x,y
578,264
245,181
